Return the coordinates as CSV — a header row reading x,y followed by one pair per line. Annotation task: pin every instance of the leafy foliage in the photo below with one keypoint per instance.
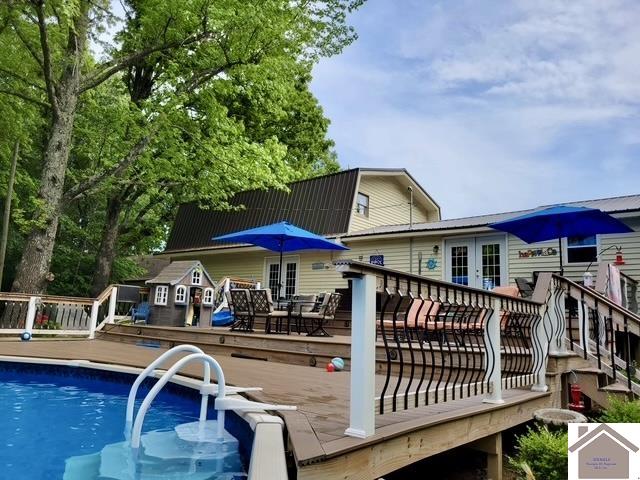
x,y
621,411
541,454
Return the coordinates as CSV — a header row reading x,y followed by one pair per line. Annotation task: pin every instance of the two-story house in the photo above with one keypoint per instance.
x,y
384,216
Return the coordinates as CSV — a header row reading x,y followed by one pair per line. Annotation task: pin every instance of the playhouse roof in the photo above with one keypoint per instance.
x,y
176,271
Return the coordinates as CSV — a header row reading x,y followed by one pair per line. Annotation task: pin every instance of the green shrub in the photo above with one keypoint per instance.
x,y
541,454
621,411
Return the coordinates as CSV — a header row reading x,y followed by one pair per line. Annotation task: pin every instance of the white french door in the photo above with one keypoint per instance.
x,y
288,278
479,262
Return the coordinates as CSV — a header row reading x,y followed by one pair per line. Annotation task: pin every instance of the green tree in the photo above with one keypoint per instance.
x,y
167,51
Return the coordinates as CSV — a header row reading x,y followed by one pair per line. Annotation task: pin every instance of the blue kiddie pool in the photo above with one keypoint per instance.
x,y
222,319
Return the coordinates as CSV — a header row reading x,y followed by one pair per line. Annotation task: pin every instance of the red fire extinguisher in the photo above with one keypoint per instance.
x,y
577,405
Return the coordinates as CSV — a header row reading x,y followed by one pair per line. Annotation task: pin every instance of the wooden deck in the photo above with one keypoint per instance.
x,y
316,429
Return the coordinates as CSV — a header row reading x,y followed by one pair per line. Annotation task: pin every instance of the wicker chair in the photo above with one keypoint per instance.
x,y
241,307
327,311
262,306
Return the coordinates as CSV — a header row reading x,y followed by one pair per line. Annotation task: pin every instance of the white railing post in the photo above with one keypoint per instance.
x,y
32,308
583,326
493,354
112,305
540,340
557,315
93,322
363,357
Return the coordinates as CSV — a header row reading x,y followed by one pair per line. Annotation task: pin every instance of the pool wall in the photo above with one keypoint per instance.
x,y
260,435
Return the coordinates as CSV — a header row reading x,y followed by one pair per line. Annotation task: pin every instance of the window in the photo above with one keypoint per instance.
x,y
161,295
207,298
582,249
181,294
362,204
196,277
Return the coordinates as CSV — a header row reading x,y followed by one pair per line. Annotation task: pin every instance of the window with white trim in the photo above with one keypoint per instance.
x,y
207,297
196,277
181,294
161,295
362,204
582,249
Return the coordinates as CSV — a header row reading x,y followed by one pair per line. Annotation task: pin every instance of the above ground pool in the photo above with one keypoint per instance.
x,y
63,422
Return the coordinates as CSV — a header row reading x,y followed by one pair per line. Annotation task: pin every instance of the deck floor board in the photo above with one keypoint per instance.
x,y
316,429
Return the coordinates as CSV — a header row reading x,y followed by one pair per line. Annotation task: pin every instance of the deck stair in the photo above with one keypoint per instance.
x,y
164,455
599,386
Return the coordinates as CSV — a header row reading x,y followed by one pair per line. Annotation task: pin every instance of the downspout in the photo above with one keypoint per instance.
x,y
410,228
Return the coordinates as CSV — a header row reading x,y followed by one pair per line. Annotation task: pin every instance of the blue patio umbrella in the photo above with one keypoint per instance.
x,y
281,237
561,221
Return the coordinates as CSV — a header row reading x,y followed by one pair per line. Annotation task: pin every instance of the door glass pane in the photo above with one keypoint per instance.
x,y
290,280
460,265
274,275
490,265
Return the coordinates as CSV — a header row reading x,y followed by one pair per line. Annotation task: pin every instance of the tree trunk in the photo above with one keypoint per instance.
x,y
32,274
108,246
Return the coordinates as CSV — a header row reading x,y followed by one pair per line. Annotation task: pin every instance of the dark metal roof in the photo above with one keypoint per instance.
x,y
321,205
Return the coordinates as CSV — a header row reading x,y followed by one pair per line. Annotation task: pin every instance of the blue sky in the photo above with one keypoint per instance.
x,y
491,105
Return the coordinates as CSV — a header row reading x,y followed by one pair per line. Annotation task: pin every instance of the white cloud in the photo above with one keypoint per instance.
x,y
492,106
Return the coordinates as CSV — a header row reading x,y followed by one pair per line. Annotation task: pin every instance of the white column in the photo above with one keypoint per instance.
x,y
112,304
557,314
583,326
93,322
32,308
540,348
363,357
493,355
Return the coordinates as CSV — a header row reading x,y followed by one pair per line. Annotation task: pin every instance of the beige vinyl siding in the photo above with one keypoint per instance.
x,y
246,265
388,204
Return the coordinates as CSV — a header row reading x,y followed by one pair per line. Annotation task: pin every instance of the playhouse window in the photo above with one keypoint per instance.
x,y
161,295
181,294
196,277
207,298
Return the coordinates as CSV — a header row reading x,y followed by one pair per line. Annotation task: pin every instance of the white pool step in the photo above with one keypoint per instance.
x,y
178,454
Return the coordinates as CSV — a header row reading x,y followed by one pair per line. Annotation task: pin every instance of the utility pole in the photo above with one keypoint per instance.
x,y
7,209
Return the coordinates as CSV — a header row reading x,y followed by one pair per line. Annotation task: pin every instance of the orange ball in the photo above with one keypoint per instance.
x,y
330,367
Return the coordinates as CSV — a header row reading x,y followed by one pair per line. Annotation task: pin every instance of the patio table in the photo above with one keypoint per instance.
x,y
289,305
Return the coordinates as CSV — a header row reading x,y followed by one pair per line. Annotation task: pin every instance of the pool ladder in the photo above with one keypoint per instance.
x,y
133,428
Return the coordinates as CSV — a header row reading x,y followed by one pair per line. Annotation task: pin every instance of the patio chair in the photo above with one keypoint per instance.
x,y
262,306
241,307
303,304
327,311
140,312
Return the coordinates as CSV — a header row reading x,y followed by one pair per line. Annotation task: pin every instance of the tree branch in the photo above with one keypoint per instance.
x,y
21,78
77,191
112,67
26,98
46,57
28,46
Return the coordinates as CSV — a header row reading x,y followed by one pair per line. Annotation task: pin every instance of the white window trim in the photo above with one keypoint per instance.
x,y
204,296
368,206
193,277
181,289
565,253
161,298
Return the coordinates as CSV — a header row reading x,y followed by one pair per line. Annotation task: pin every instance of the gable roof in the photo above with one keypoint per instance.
x,y
321,205
629,203
176,271
596,432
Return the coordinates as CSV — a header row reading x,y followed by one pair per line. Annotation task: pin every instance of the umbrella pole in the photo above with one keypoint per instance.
x,y
280,273
560,252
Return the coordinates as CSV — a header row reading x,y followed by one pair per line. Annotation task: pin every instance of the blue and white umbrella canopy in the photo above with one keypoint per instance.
x,y
561,221
281,237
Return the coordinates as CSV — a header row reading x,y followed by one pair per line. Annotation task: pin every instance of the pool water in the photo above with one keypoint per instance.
x,y
49,414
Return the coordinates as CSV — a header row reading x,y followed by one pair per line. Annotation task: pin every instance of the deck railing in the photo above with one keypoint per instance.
x,y
27,315
601,331
442,342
